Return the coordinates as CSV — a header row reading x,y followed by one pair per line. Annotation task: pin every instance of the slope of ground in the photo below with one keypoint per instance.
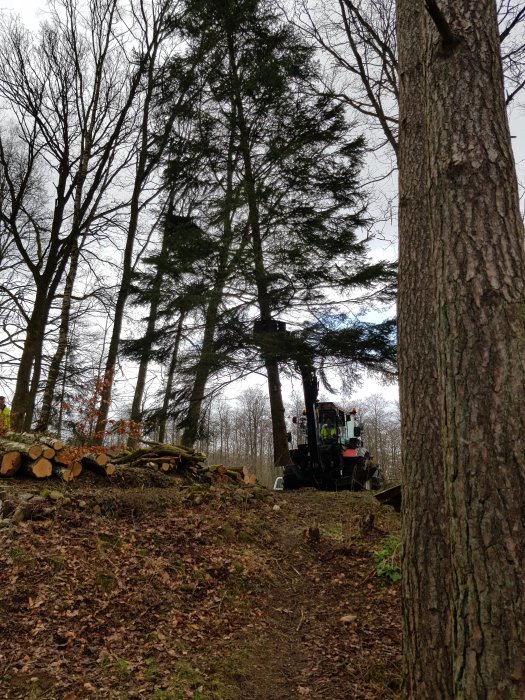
x,y
212,593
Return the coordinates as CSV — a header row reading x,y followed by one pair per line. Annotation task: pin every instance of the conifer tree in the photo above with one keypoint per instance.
x,y
296,168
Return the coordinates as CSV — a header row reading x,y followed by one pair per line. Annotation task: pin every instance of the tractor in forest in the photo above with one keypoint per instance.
x,y
326,446
326,449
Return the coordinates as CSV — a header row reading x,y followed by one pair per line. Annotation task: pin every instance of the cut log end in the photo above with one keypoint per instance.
x,y
11,463
35,451
41,468
76,468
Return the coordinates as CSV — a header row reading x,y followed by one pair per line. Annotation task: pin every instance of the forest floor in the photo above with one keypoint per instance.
x,y
204,592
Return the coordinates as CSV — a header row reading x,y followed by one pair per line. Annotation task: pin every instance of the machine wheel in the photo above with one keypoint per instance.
x,y
291,479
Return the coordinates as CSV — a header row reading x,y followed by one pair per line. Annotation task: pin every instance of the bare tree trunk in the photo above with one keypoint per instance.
x,y
202,371
49,391
169,382
479,260
127,268
136,414
203,368
426,568
30,360
145,164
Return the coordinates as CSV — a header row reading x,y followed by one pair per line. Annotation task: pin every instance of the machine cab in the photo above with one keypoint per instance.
x,y
337,426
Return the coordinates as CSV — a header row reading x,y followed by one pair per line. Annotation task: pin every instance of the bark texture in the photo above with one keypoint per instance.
x,y
479,262
426,618
136,406
203,368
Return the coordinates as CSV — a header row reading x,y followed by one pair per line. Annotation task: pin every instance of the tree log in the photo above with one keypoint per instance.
x,y
63,457
76,468
48,452
30,438
35,451
68,473
98,459
32,451
63,472
128,457
56,444
41,468
249,479
106,469
11,463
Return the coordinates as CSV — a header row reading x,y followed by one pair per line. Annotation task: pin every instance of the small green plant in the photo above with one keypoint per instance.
x,y
105,581
388,558
190,682
105,660
333,531
227,532
106,542
122,667
21,557
151,669
57,563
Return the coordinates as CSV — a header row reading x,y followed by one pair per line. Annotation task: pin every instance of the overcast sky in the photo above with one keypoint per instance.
x,y
28,9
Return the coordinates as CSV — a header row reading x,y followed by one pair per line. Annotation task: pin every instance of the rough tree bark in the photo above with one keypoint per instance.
x,y
203,368
479,262
425,548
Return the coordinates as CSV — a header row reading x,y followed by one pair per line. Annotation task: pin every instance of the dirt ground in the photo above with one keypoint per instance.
x,y
211,593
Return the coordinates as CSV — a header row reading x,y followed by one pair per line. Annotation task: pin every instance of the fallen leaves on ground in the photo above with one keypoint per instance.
x,y
212,595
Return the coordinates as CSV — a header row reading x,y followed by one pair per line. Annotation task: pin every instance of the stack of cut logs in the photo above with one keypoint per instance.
x,y
43,456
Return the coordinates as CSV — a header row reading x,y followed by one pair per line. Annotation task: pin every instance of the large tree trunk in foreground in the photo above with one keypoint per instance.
x,y
480,310
425,548
31,354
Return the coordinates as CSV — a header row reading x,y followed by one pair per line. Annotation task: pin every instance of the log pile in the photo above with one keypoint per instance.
x,y
39,456
42,456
